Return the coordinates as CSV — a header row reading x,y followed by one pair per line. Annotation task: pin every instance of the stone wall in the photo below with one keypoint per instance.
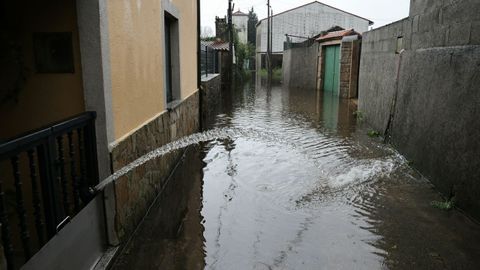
x,y
429,92
300,67
211,98
135,192
349,64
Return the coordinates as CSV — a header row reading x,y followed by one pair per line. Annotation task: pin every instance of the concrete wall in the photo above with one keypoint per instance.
x,y
306,21
300,67
435,85
43,98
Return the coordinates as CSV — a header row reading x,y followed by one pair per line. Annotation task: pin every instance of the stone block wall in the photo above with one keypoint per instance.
x,y
429,92
211,98
135,191
170,125
346,52
349,64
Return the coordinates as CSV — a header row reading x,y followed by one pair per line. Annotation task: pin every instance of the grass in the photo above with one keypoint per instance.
x,y
277,74
360,116
446,205
373,133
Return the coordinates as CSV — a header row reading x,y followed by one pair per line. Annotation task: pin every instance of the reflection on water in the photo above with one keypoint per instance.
x,y
299,185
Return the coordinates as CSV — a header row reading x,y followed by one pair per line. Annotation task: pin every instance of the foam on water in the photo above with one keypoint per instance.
x,y
328,155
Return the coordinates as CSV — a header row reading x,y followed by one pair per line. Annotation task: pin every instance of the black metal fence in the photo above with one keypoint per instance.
x,y
292,42
209,61
287,45
45,179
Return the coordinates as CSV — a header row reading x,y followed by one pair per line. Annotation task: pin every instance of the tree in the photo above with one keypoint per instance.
x,y
252,27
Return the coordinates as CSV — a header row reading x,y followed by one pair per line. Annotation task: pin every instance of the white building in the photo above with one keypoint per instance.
x,y
304,21
240,20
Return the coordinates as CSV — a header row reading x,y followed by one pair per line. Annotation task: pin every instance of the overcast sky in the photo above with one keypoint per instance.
x,y
380,11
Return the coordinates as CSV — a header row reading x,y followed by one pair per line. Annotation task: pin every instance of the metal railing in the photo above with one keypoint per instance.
x,y
209,61
293,42
46,179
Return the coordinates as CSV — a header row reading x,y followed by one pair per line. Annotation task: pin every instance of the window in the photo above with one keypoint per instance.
x,y
172,59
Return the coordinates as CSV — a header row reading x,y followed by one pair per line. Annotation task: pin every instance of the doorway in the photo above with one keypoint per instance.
x,y
332,69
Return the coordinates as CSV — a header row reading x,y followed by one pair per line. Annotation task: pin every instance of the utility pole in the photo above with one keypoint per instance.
x,y
271,44
269,66
230,36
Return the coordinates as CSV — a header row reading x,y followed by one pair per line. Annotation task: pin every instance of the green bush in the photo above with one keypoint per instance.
x,y
277,74
373,133
446,205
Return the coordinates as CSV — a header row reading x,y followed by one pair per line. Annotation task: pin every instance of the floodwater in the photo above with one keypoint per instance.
x,y
297,184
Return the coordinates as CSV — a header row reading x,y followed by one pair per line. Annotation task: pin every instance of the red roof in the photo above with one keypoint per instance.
x,y
217,45
337,35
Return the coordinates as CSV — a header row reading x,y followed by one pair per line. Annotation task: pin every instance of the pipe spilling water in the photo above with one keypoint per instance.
x,y
196,138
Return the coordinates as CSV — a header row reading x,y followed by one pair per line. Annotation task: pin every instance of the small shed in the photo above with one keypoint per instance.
x,y
214,58
338,62
214,55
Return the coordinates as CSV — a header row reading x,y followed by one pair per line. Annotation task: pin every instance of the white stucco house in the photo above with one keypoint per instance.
x,y
303,22
240,21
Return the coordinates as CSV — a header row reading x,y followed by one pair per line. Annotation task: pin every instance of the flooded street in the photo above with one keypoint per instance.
x,y
299,185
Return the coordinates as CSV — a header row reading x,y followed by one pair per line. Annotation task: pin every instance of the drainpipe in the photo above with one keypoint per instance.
x,y
393,105
199,72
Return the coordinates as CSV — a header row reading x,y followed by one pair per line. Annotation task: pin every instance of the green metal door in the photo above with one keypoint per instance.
x,y
332,69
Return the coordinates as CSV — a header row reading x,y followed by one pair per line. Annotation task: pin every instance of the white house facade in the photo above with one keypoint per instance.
x,y
303,22
240,20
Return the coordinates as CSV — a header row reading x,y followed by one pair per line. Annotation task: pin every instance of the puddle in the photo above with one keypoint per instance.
x,y
286,179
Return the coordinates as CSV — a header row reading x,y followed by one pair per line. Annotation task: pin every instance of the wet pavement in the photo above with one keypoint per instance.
x,y
303,187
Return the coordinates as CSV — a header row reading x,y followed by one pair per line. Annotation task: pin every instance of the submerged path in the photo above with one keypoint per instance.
x,y
298,185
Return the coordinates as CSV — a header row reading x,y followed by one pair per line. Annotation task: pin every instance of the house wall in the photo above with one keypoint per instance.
x,y
136,191
133,64
432,90
188,46
44,98
241,24
306,21
142,121
137,59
